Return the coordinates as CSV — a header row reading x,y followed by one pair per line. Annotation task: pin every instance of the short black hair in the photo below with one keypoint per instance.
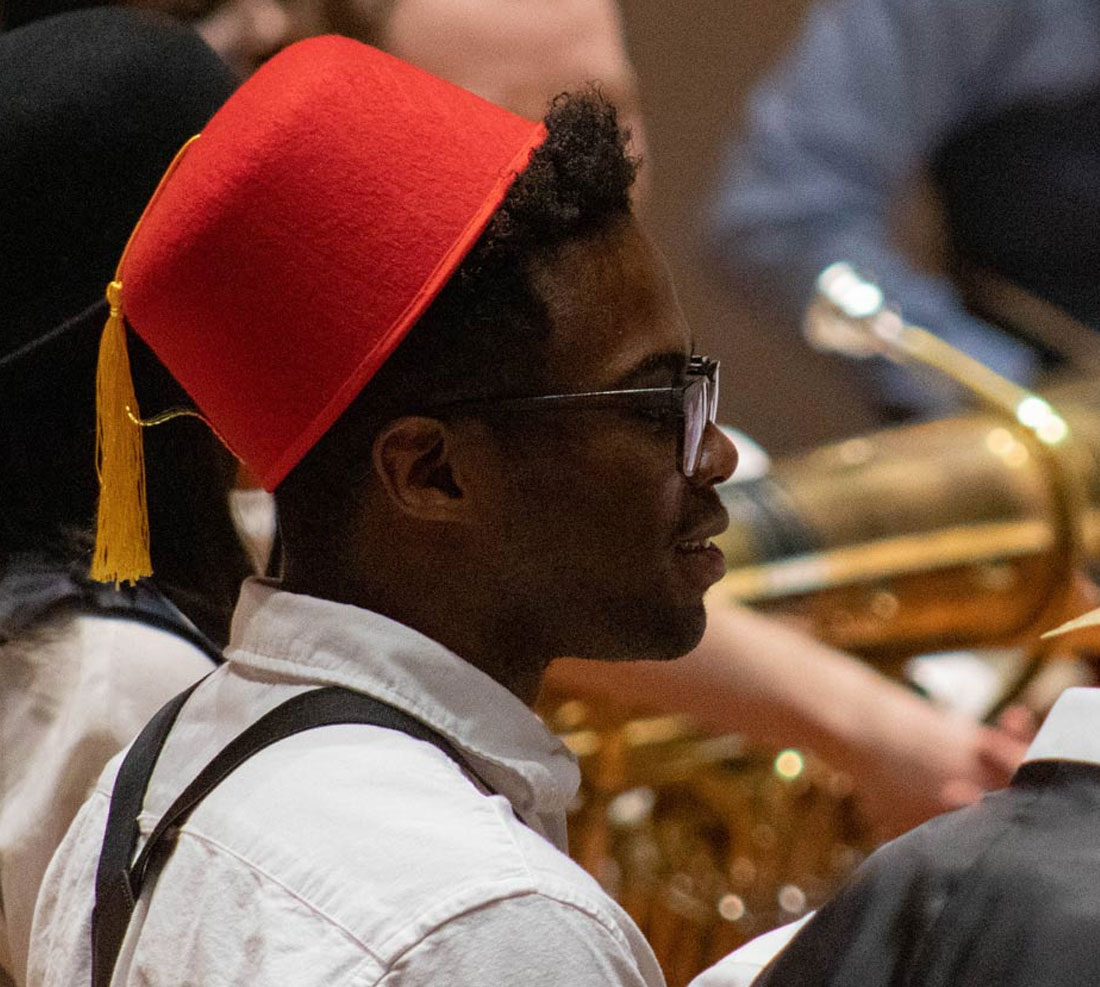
x,y
483,333
479,335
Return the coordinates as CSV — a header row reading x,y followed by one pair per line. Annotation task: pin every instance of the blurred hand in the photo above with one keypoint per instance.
x,y
936,763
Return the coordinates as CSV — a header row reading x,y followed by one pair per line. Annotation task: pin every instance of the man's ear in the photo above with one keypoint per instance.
x,y
416,463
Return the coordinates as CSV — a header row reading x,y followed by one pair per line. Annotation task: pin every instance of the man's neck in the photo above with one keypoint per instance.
x,y
477,634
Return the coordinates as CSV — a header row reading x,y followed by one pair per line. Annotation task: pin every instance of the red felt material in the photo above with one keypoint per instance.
x,y
306,231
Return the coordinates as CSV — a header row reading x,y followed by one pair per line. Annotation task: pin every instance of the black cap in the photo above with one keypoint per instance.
x,y
96,104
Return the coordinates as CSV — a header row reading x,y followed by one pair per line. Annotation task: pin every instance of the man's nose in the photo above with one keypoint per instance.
x,y
717,457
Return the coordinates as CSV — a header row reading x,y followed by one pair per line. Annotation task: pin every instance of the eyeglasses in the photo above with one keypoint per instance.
x,y
695,402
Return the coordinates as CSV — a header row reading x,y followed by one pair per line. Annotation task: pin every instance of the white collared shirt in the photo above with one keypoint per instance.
x,y
351,854
1068,734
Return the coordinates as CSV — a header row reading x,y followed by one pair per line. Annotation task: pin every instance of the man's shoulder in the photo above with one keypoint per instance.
x,y
474,934
376,833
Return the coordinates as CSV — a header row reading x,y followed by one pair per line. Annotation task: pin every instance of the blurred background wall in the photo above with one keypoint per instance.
x,y
696,60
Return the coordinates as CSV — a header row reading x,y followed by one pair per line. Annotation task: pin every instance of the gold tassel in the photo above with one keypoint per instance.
x,y
122,524
122,520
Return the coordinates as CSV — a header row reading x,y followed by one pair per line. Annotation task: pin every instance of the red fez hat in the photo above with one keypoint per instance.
x,y
295,243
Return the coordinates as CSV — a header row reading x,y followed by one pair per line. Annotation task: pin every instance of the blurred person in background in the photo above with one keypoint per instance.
x,y
517,55
105,98
998,105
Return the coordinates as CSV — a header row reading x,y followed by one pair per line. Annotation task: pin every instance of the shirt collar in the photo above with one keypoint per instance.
x,y
1069,731
312,640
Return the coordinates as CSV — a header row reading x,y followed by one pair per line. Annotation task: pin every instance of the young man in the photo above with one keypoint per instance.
x,y
749,674
437,332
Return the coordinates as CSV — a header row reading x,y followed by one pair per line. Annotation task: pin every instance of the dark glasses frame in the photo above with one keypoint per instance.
x,y
695,401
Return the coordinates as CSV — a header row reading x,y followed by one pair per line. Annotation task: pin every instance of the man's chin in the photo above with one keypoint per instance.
x,y
652,635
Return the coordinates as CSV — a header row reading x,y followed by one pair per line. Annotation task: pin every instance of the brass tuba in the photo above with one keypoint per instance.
x,y
954,533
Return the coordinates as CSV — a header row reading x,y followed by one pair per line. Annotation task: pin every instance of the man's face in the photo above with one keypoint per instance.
x,y
598,531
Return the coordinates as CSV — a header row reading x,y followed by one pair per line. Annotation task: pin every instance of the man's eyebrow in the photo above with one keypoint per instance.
x,y
672,363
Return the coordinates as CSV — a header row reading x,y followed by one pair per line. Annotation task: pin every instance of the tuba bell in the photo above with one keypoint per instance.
x,y
955,533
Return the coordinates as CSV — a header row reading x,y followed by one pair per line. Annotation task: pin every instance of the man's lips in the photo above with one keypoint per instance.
x,y
704,560
698,537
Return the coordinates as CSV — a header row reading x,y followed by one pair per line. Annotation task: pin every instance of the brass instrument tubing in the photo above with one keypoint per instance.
x,y
1059,455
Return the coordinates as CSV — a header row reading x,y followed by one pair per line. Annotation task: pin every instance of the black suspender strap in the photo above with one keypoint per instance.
x,y
119,882
114,897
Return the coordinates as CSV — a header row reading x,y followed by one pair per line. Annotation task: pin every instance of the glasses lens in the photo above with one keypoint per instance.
x,y
696,402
